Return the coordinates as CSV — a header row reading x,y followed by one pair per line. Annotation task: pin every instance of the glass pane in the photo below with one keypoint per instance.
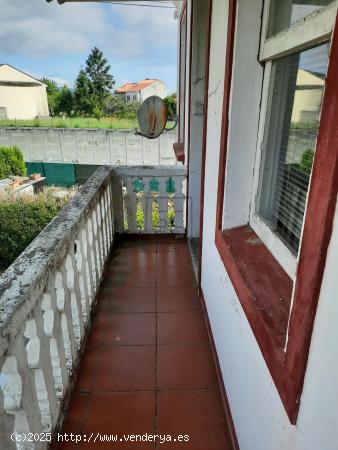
x,y
292,124
284,13
183,44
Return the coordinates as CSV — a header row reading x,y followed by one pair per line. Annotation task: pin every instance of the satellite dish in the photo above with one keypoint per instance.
x,y
152,117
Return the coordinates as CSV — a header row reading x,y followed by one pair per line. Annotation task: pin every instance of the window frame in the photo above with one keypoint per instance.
x,y
179,146
182,73
287,364
309,32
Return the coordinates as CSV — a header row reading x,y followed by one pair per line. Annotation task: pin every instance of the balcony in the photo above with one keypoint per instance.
x,y
102,330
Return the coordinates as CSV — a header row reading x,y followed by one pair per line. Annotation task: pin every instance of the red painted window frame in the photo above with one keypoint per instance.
x,y
179,147
288,367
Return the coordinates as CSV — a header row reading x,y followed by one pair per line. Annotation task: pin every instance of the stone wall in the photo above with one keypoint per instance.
x,y
90,146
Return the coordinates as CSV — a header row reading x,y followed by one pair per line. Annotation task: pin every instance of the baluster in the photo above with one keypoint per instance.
x,y
34,362
12,389
101,234
163,205
92,252
103,228
111,211
66,326
57,346
138,187
131,205
117,203
74,301
97,246
45,325
107,218
179,201
80,266
153,216
87,265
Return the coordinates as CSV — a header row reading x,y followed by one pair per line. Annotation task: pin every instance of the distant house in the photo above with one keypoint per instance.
x,y
21,95
140,91
308,96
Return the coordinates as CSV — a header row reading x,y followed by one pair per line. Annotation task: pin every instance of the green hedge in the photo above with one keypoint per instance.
x,y
22,218
11,162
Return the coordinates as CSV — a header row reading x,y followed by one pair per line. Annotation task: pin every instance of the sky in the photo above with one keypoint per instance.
x,y
46,39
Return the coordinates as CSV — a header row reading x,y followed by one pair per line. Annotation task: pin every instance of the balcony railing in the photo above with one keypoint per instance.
x,y
47,294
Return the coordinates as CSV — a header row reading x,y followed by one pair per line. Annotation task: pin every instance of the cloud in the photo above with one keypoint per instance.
x,y
56,39
37,28
58,80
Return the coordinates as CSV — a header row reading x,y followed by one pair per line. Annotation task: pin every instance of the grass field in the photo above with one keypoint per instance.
x,y
73,122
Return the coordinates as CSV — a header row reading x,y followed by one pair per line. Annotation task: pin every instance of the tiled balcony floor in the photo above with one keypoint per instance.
x,y
148,366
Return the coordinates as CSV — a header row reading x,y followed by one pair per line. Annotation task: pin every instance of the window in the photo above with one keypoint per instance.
x,y
179,146
285,13
296,92
295,67
274,226
182,74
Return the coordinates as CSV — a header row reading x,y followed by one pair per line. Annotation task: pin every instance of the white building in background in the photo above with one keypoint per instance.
x,y
21,95
140,91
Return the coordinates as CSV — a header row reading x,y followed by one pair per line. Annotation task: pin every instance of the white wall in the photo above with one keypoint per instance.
x,y
157,88
24,102
199,44
259,416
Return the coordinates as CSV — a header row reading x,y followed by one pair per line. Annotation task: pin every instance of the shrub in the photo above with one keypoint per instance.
x,y
171,104
23,217
307,161
11,162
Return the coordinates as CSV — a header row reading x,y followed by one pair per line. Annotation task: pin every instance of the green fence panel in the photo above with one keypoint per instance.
x,y
60,174
35,167
84,171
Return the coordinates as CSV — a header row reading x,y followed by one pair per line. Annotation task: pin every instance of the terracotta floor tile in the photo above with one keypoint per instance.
x,y
132,278
198,414
185,367
77,410
176,276
128,329
95,336
170,246
133,300
181,328
177,298
171,259
121,414
125,369
148,288
133,260
66,445
87,371
141,245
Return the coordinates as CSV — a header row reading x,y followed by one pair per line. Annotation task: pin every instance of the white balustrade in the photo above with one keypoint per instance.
x,y
45,303
152,199
47,294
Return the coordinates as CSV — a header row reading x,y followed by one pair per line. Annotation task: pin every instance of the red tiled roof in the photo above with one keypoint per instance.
x,y
134,87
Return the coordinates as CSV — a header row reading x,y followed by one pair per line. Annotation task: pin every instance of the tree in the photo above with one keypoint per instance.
x,y
83,102
100,79
65,103
131,110
116,106
52,94
171,103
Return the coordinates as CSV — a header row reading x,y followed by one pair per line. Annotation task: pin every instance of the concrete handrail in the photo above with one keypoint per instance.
x,y
45,302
